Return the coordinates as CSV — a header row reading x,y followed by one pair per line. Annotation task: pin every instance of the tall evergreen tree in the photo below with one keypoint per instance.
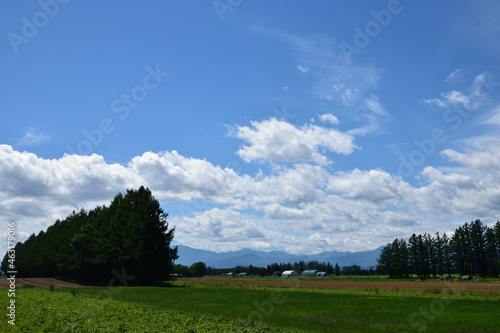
x,y
460,245
430,256
478,246
385,260
337,269
492,253
447,255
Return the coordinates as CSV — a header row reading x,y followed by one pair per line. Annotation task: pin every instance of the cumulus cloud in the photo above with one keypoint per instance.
x,y
300,208
277,140
69,178
222,229
372,185
489,159
178,178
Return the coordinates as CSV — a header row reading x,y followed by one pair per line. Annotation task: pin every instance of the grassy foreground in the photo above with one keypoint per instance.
x,y
227,308
63,310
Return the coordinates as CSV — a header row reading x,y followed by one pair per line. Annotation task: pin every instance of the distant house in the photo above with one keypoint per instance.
x,y
310,272
241,274
289,273
276,273
322,274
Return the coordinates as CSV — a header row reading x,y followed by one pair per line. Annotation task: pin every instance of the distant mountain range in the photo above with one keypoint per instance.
x,y
246,257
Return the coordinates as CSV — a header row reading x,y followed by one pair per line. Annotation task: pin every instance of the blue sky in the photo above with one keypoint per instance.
x,y
270,125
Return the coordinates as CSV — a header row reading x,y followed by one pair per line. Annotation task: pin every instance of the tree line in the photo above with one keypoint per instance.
x,y
474,249
130,239
200,269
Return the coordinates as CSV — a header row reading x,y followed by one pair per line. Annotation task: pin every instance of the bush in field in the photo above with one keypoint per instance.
x,y
198,269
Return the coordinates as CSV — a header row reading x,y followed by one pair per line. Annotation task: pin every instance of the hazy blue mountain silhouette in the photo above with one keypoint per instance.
x,y
246,257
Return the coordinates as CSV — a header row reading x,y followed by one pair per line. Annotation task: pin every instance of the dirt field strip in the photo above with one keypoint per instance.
x,y
40,282
459,286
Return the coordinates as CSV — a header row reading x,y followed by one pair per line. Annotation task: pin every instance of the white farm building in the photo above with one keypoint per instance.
x,y
289,273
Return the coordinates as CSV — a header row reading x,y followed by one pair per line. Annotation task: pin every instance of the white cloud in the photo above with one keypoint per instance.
x,y
373,185
376,116
297,185
493,117
300,208
303,69
329,118
176,178
374,105
436,101
455,75
276,140
487,160
452,98
229,230
469,98
33,137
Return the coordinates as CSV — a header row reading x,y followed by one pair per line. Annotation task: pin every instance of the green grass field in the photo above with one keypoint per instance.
x,y
228,308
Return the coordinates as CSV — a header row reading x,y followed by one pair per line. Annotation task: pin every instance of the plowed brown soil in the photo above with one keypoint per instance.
x,y
279,282
493,287
39,282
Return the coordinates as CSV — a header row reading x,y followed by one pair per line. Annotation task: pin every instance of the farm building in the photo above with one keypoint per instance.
x,y
276,274
289,273
310,272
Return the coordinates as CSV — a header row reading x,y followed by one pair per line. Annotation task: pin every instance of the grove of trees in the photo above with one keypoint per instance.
x,y
301,266
474,249
199,269
130,237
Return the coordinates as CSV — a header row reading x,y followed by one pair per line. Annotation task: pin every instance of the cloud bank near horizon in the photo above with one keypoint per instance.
x,y
300,207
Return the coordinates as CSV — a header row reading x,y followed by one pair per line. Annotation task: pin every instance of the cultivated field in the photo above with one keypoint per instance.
x,y
493,287
259,305
40,282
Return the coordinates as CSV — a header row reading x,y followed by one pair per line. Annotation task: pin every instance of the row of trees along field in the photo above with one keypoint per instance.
x,y
474,249
327,267
130,237
330,269
200,269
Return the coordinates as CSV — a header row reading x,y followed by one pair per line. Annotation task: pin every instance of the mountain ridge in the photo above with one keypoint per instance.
x,y
246,257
